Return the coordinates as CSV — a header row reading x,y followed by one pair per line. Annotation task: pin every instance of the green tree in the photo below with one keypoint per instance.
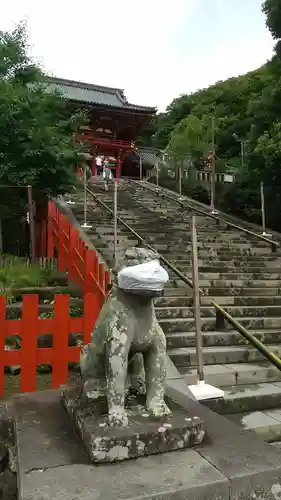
x,y
191,136
272,10
37,145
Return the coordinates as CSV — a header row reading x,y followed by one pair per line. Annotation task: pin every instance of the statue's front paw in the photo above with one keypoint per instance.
x,y
117,419
158,408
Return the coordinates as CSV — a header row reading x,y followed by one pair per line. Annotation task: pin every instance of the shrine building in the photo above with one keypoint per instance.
x,y
114,123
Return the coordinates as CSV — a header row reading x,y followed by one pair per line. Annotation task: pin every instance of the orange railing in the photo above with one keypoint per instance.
x,y
30,326
111,143
82,264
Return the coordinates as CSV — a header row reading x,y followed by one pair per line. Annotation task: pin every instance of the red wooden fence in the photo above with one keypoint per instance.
x,y
83,267
30,326
82,264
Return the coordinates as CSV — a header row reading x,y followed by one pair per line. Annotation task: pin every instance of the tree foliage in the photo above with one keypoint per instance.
x,y
272,10
191,136
37,144
247,110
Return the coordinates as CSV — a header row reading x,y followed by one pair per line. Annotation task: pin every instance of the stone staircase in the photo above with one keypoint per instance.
x,y
238,271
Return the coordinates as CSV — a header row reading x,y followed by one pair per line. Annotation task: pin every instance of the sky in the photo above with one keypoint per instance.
x,y
155,50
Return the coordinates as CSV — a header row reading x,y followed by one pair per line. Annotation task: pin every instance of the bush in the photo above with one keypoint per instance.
x,y
19,275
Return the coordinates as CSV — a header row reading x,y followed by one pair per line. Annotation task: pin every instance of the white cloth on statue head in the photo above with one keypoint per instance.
x,y
147,276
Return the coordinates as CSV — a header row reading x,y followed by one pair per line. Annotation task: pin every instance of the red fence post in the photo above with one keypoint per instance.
x,y
89,286
29,343
83,255
61,324
60,243
2,341
67,243
71,253
64,239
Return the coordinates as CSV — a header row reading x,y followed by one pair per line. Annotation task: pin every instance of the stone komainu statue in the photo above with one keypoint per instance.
x,y
127,349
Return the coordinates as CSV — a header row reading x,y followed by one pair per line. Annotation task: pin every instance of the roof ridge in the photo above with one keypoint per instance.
x,y
89,86
115,95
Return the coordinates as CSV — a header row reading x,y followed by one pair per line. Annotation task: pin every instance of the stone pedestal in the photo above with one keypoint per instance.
x,y
145,435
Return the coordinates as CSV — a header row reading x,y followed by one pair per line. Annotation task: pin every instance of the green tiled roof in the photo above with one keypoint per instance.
x,y
149,156
94,94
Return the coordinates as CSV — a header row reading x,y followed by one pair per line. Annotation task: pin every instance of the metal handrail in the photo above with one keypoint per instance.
x,y
248,336
253,226
245,333
141,239
271,242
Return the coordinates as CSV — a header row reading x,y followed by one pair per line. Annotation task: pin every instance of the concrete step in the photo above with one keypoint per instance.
x,y
211,258
227,300
245,276
241,291
219,338
184,250
179,291
204,242
246,260
246,398
230,284
231,274
234,374
236,267
219,355
209,324
235,311
266,424
44,438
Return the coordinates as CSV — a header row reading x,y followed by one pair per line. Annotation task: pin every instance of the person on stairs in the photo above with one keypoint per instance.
x,y
106,174
99,164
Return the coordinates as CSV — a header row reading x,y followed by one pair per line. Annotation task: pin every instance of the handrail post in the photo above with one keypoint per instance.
x,y
201,390
85,225
115,209
157,174
213,173
264,233
196,304
140,166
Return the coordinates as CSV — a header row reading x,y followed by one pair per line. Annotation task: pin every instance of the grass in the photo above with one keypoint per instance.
x,y
18,273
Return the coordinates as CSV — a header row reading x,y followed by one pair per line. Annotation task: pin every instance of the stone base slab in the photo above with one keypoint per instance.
x,y
144,435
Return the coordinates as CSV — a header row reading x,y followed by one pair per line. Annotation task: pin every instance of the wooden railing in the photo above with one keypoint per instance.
x,y
30,326
62,240
81,264
115,143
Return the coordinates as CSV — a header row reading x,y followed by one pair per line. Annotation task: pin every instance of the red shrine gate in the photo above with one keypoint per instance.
x,y
117,149
114,123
